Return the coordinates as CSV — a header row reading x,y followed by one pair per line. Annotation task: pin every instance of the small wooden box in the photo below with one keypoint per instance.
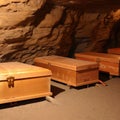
x,y
114,51
107,62
19,81
69,71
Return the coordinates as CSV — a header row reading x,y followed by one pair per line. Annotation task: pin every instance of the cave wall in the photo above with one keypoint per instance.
x,y
29,29
98,31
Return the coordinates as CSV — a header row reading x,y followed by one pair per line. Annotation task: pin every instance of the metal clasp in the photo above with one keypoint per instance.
x,y
10,82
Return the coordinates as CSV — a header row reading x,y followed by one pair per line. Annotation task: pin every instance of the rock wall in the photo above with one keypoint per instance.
x,y
30,28
16,27
98,31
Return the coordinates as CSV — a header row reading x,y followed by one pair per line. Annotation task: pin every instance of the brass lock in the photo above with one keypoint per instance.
x,y
10,82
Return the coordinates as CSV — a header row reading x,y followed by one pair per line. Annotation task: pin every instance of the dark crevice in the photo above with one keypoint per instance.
x,y
41,13
114,39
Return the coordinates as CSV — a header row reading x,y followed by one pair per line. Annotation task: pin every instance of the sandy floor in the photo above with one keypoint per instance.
x,y
88,103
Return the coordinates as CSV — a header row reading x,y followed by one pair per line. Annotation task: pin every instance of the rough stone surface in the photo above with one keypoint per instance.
x,y
30,28
94,31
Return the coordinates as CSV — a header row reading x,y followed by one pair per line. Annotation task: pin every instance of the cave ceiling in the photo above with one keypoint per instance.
x,y
89,5
81,2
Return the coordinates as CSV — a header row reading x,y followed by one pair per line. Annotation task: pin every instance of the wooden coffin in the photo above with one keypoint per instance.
x,y
19,81
114,51
69,71
107,62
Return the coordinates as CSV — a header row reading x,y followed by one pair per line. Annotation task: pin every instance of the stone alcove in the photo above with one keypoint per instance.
x,y
29,28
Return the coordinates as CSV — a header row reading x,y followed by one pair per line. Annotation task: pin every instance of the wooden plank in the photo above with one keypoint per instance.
x,y
64,62
87,74
114,51
107,62
26,86
99,56
25,89
20,70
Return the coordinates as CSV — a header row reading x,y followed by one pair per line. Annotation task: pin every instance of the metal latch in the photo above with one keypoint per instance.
x,y
10,82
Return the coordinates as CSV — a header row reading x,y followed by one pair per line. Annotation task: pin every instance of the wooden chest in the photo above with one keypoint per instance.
x,y
107,62
19,81
69,71
114,51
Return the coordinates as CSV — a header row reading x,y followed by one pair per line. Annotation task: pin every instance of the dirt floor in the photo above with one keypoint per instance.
x,y
94,102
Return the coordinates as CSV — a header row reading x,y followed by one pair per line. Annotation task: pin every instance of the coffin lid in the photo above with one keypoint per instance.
x,y
65,62
21,70
99,56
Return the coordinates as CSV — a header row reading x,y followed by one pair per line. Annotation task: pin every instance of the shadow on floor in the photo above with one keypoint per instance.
x,y
56,90
83,86
19,103
104,76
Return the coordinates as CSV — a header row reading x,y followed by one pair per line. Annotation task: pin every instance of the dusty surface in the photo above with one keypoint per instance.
x,y
88,103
